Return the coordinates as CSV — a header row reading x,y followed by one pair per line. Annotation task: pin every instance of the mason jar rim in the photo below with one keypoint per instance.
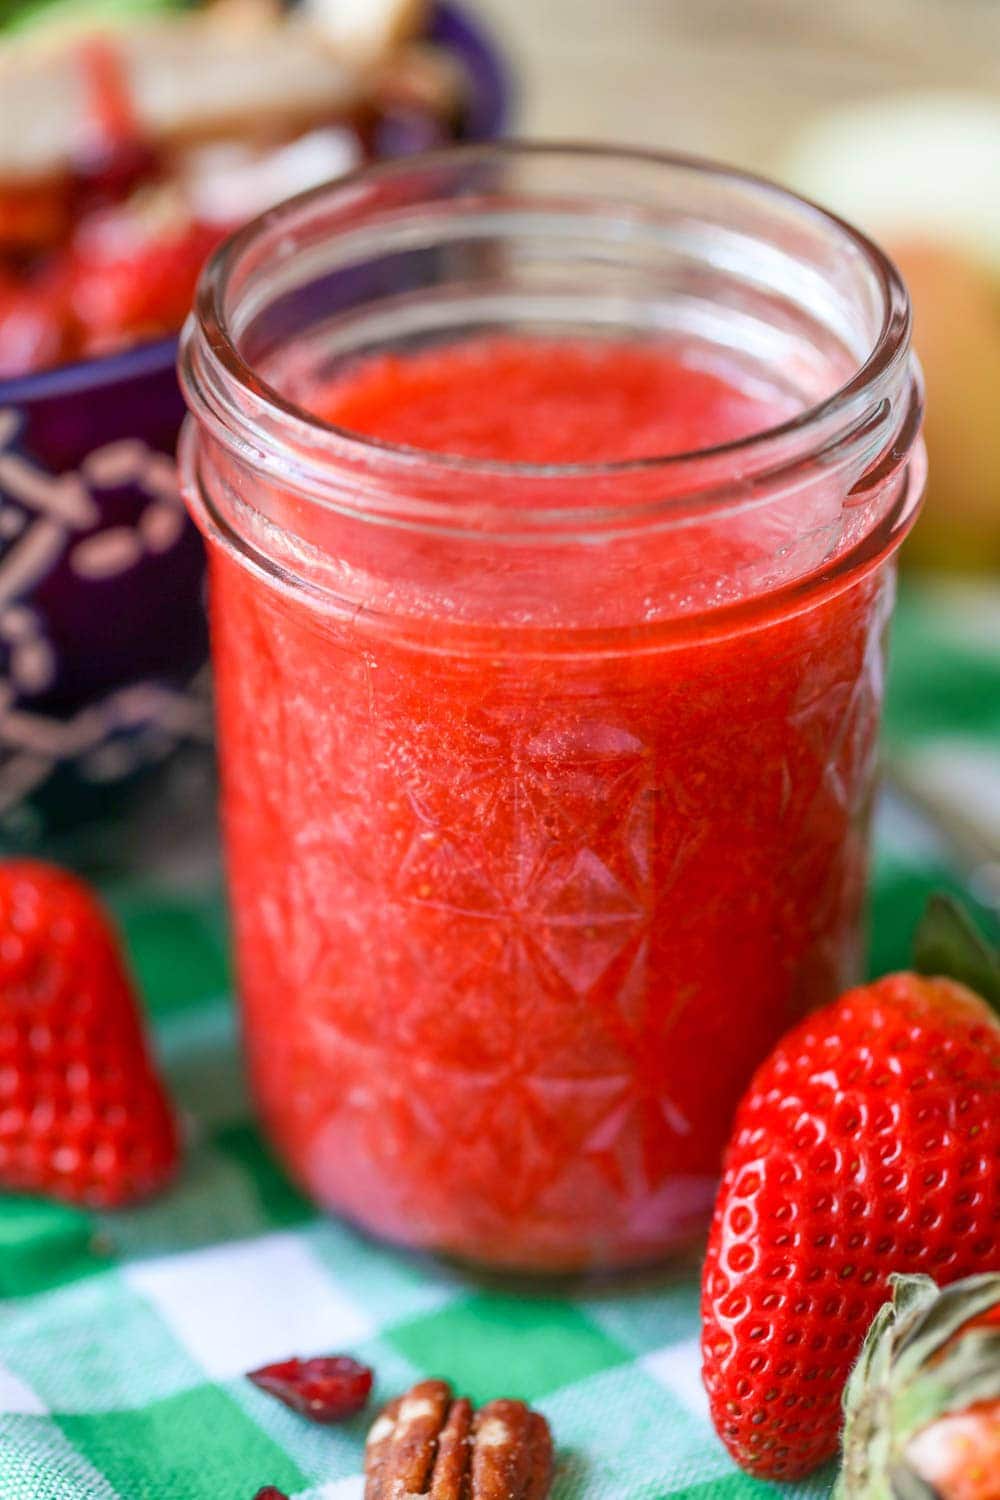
x,y
890,350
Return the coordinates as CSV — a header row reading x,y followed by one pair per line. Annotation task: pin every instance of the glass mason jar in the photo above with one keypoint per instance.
x,y
546,788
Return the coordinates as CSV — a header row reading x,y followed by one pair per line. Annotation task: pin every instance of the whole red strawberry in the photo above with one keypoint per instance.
x,y
867,1144
83,1116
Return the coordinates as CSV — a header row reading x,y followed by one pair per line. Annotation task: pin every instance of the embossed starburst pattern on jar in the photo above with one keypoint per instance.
x,y
510,946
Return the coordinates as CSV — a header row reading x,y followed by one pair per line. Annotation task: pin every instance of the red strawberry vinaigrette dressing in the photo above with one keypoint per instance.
x,y
548,707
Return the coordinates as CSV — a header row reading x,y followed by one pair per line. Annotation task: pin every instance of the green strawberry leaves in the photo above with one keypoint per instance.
x,y
948,942
927,1319
919,1362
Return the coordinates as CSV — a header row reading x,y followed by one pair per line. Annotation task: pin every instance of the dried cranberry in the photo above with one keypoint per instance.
x,y
326,1389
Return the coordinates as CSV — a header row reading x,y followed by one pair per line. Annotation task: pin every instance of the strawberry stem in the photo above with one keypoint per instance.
x,y
948,943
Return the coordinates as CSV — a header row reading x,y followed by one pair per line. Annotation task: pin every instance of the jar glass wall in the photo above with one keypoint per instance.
x,y
546,788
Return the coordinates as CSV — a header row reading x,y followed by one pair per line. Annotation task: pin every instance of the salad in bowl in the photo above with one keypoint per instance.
x,y
134,136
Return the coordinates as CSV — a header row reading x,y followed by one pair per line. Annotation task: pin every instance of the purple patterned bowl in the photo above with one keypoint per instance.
x,y
102,631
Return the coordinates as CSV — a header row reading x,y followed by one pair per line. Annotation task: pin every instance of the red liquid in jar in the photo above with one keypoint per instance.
x,y
515,926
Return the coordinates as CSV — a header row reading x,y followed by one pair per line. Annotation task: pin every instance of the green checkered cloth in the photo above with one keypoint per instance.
x,y
125,1338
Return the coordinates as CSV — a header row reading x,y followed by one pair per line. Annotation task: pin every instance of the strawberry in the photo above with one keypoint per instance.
x,y
34,327
133,268
868,1143
83,1116
922,1406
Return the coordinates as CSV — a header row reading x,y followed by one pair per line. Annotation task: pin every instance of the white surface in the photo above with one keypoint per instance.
x,y
237,1306
17,1397
678,1369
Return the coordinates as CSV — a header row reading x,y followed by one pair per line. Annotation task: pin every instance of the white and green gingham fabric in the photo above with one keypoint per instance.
x,y
124,1339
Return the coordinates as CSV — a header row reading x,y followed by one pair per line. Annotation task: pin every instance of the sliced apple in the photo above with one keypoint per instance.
x,y
921,174
367,30
239,71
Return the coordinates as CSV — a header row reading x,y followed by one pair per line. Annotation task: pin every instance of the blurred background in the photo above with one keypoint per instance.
x,y
732,78
889,112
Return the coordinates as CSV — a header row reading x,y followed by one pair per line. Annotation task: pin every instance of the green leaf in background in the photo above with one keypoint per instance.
x,y
948,942
944,677
18,16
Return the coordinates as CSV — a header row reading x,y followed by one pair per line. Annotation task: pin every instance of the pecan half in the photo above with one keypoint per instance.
x,y
432,1447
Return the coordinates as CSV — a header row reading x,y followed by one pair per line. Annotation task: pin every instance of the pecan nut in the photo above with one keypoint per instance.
x,y
430,1446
